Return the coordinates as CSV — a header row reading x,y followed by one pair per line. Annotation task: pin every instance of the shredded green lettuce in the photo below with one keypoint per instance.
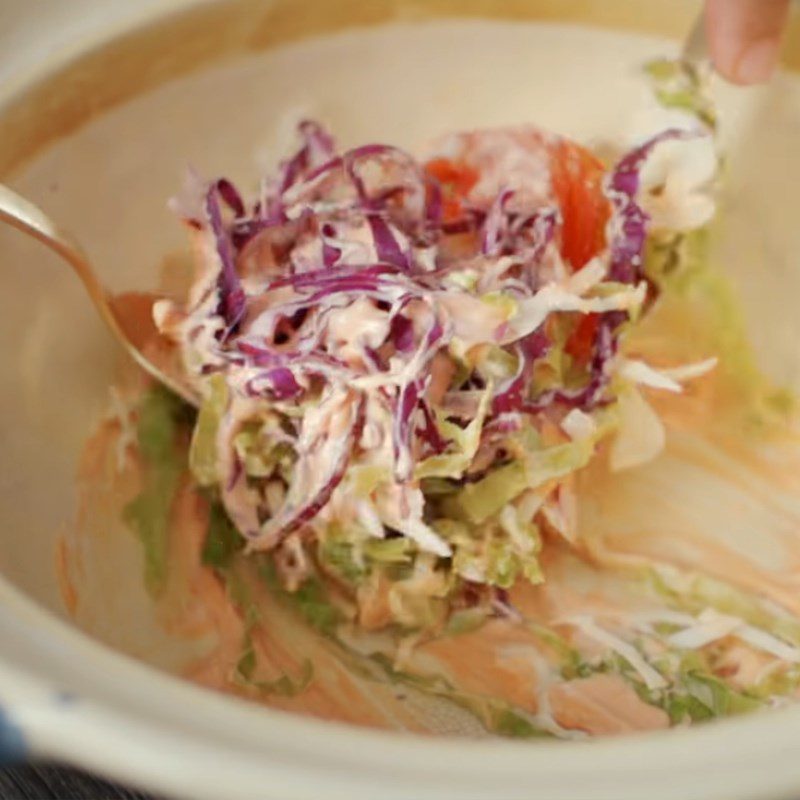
x,y
487,552
284,686
340,555
551,370
389,551
496,364
162,417
682,85
260,458
466,620
695,693
352,554
694,592
223,541
203,457
464,445
778,683
700,696
515,724
496,716
502,301
479,501
363,479
310,600
247,664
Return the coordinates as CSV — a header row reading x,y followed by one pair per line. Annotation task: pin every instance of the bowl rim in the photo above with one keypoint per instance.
x,y
124,718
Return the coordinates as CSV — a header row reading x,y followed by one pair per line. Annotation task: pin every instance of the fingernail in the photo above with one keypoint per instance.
x,y
757,62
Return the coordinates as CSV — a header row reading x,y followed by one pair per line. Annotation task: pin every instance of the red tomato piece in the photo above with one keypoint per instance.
x,y
580,344
577,180
456,180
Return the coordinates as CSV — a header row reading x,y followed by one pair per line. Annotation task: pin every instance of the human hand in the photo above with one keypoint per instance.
x,y
744,37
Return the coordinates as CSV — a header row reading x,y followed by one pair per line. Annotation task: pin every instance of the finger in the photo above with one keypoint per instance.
x,y
744,37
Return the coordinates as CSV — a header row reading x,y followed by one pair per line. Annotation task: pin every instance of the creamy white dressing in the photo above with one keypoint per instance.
x,y
675,188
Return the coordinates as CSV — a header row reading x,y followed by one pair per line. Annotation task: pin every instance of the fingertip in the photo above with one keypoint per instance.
x,y
744,37
721,44
757,63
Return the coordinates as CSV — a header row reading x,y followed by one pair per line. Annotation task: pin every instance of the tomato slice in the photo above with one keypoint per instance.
x,y
580,344
577,180
456,179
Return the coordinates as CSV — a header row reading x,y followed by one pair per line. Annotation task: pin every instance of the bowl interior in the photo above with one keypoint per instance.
x,y
405,81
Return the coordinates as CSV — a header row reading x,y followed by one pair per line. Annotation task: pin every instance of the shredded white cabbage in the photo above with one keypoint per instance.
x,y
669,378
553,298
675,183
652,678
640,435
579,425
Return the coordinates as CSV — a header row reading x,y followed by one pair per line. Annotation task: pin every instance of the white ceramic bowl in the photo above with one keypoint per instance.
x,y
102,103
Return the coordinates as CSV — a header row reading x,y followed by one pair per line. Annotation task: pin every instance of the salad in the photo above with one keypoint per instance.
x,y
403,363
441,404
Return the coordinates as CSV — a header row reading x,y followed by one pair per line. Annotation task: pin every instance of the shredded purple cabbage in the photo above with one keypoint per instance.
x,y
231,294
386,244
320,486
230,194
628,224
329,230
513,395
